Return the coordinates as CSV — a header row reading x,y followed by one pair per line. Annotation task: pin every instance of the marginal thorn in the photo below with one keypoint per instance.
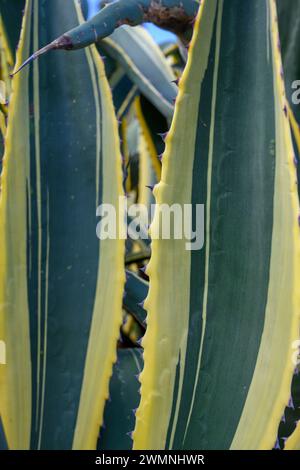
x,y
176,81
163,135
277,446
150,186
291,403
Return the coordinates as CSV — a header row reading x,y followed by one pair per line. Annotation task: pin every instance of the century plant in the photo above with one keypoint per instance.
x,y
214,369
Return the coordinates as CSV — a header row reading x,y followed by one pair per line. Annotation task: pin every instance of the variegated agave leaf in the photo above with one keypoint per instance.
x,y
218,369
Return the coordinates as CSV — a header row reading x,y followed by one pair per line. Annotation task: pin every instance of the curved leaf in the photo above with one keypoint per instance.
x,y
175,15
144,63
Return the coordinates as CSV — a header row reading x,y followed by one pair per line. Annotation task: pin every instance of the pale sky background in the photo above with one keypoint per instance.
x,y
158,34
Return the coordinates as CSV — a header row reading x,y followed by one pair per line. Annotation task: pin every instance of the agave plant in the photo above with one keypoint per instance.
x,y
214,369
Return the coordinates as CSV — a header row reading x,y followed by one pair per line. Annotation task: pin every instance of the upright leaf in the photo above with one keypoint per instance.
x,y
175,15
218,369
60,287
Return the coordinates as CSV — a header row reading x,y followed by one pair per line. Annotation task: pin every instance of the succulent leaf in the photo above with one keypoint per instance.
x,y
229,304
60,287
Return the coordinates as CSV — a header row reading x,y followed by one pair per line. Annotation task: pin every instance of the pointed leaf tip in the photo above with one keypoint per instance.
x,y
30,59
63,42
34,56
